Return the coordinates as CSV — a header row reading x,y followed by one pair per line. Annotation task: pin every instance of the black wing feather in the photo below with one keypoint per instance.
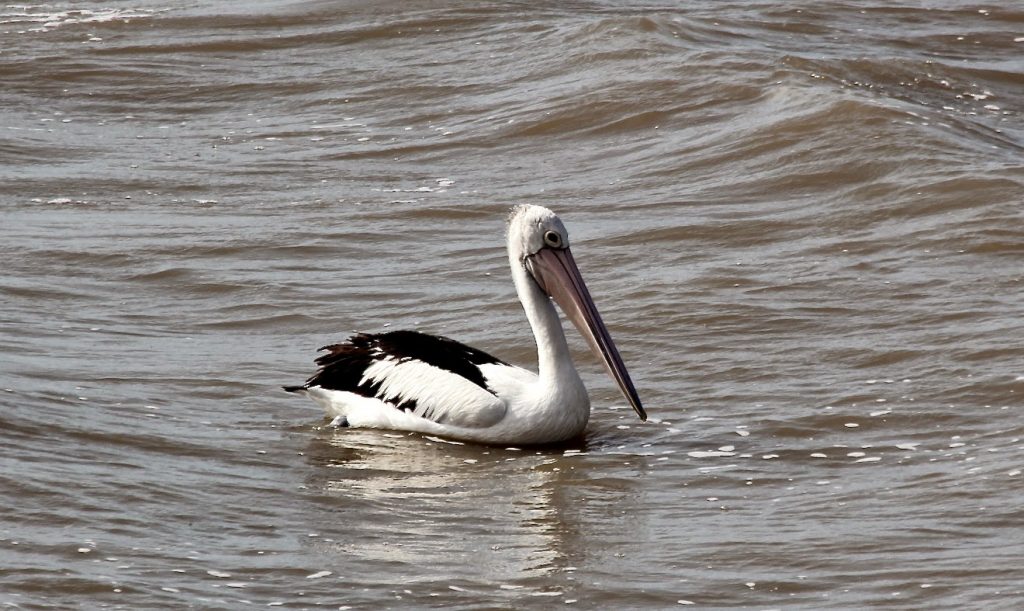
x,y
344,365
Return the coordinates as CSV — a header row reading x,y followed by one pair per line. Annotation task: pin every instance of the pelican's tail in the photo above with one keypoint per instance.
x,y
327,399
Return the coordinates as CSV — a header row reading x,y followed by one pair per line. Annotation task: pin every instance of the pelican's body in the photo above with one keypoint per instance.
x,y
405,380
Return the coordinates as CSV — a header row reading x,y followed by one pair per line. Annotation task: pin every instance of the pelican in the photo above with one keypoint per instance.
x,y
411,381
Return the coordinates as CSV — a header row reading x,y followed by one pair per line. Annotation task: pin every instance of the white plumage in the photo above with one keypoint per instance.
x,y
405,380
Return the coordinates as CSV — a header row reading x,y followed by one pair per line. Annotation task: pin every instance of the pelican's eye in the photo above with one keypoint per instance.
x,y
552,239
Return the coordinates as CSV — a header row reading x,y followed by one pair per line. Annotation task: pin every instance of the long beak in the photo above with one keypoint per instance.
x,y
557,274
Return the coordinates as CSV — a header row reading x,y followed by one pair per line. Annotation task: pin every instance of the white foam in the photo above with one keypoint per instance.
x,y
46,18
709,453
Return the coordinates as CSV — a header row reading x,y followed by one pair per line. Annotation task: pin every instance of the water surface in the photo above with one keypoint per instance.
x,y
802,222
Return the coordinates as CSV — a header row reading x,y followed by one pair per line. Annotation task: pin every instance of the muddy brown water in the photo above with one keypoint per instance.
x,y
801,221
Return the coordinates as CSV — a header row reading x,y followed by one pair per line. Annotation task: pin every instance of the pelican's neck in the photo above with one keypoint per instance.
x,y
554,362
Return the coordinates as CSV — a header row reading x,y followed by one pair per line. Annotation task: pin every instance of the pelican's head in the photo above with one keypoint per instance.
x,y
532,228
539,242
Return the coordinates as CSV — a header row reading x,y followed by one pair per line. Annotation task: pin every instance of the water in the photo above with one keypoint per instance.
x,y
802,223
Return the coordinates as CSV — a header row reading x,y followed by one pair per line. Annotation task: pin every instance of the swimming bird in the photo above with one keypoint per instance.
x,y
411,381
